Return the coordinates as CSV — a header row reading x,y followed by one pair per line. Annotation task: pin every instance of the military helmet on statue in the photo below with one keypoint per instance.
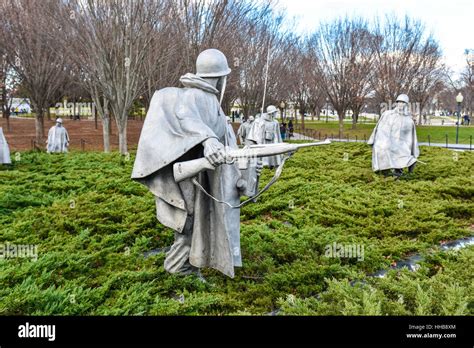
x,y
403,98
212,63
271,109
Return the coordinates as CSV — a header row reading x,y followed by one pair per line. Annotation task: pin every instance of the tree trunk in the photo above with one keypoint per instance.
x,y
39,125
6,116
94,111
302,120
341,114
101,108
121,118
4,105
355,118
106,127
317,112
106,133
122,129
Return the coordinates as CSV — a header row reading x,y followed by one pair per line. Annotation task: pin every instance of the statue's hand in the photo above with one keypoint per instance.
x,y
214,151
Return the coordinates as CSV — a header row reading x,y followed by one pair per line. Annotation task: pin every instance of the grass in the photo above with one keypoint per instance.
x,y
92,224
437,134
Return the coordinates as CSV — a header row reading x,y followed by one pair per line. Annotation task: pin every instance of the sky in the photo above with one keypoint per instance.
x,y
451,22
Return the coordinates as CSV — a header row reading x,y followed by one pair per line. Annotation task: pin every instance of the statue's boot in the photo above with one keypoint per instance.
x,y
397,173
411,168
199,275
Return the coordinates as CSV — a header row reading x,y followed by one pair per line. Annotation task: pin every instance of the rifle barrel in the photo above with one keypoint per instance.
x,y
265,150
327,141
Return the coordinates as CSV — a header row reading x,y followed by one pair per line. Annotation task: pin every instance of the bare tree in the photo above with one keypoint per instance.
x,y
244,30
429,76
304,80
262,42
361,70
162,67
36,58
300,77
407,60
341,54
113,40
9,80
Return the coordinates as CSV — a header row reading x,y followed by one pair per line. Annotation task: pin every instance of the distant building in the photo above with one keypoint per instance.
x,y
20,105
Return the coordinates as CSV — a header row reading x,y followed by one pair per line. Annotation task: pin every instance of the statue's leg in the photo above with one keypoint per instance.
x,y
177,259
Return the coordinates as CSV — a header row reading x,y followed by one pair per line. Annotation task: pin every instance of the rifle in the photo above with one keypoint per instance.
x,y
189,169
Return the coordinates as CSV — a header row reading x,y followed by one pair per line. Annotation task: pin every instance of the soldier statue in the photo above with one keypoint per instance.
x,y
244,130
58,138
266,130
185,124
394,142
4,149
188,158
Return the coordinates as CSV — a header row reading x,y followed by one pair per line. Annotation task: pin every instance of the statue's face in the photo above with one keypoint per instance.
x,y
402,107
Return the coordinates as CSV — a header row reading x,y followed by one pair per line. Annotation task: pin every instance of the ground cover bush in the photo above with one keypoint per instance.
x,y
92,226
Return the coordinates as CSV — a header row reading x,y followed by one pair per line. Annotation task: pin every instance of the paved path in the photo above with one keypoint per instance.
x,y
298,136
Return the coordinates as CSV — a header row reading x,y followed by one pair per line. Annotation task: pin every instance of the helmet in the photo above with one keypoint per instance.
x,y
251,118
271,109
59,120
212,63
403,98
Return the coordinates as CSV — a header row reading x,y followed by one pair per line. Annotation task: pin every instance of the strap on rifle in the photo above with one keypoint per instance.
x,y
276,176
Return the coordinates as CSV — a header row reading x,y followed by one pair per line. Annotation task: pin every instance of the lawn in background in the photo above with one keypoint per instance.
x,y
437,133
